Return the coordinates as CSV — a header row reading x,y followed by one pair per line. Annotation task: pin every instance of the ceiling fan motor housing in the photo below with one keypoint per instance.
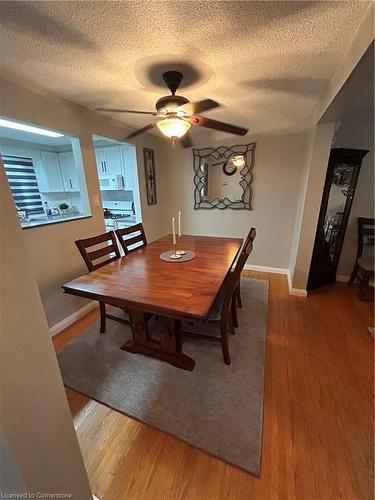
x,y
173,80
170,101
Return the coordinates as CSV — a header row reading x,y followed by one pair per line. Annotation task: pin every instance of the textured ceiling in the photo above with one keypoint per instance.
x,y
266,62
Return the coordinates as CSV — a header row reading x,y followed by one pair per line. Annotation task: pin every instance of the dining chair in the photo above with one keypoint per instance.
x,y
97,258
127,240
222,312
364,261
238,288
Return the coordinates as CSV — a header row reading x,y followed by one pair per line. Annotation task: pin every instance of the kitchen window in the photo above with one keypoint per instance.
x,y
23,184
45,174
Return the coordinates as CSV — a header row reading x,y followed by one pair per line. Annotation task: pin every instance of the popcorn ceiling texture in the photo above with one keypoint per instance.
x,y
266,62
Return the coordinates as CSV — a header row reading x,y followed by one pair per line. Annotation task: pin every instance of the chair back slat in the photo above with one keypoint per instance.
x,y
236,273
127,239
107,250
134,240
95,254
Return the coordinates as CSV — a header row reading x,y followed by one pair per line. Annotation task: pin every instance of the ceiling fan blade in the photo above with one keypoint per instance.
x,y
194,108
140,131
111,110
186,141
202,121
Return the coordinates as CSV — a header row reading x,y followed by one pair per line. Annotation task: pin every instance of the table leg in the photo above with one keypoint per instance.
x,y
167,349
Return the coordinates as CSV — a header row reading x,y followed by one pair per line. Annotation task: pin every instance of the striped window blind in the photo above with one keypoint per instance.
x,y
23,183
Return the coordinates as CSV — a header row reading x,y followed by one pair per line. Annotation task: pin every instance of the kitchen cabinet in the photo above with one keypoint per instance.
x,y
68,171
48,172
112,161
100,158
128,160
109,161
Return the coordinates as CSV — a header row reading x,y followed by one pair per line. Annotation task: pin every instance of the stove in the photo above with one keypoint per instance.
x,y
117,216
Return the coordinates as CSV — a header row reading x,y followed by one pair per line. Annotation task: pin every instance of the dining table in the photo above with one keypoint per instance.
x,y
145,286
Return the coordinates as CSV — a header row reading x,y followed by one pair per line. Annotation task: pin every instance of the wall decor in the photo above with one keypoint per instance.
x,y
150,176
223,177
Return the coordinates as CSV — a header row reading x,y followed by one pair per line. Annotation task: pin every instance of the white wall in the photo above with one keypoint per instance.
x,y
312,189
278,163
357,131
53,254
40,451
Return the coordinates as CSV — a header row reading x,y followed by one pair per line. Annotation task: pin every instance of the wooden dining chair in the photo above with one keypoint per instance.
x,y
222,313
127,240
98,258
364,261
238,288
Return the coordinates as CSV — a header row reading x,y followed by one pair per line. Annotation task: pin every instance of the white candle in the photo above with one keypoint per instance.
x,y
179,223
174,231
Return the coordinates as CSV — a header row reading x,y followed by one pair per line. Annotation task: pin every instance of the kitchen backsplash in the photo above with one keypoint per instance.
x,y
116,196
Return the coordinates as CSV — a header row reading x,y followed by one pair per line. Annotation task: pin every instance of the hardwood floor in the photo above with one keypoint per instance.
x,y
318,415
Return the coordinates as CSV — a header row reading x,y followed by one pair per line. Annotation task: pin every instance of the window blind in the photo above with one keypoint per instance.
x,y
23,183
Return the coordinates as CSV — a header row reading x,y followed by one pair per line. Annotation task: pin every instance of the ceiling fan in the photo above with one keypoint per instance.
x,y
175,114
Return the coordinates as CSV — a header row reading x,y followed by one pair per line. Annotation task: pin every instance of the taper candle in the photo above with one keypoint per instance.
x,y
179,223
174,231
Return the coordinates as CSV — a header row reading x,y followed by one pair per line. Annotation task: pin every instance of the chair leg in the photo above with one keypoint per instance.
x,y
102,317
354,274
224,341
238,295
234,314
364,285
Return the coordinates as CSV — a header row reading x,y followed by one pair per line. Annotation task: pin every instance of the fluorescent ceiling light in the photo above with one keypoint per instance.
x,y
28,128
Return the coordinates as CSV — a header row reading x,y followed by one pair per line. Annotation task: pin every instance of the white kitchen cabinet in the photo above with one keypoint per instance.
x,y
108,161
112,161
128,161
68,171
100,158
48,173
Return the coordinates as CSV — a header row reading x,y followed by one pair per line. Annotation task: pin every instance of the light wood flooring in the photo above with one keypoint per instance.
x,y
318,415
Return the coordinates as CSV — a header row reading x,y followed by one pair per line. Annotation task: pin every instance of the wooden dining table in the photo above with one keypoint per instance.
x,y
142,283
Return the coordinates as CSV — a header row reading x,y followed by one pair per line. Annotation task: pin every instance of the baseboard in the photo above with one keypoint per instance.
x,y
298,292
278,270
72,318
265,269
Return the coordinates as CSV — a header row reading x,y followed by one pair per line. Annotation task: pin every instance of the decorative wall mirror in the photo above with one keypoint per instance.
x,y
223,177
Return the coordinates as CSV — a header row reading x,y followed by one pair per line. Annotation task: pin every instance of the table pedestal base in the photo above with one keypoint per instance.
x,y
167,349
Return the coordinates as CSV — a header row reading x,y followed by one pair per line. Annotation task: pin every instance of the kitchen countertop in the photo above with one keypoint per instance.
x,y
51,219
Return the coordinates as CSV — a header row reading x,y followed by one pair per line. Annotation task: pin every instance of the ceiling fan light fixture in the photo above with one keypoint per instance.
x,y
173,127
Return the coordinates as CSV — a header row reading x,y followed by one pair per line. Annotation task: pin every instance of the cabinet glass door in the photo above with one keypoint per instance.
x,y
341,191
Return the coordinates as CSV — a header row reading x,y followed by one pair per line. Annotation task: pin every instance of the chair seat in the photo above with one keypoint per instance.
x,y
366,263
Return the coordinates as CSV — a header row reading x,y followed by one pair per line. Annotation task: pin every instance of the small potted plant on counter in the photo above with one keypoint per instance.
x,y
63,208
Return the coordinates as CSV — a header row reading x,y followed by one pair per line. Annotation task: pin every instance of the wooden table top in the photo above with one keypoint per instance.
x,y
141,280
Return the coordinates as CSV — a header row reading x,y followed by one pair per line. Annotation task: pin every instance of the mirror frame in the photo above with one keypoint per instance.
x,y
224,152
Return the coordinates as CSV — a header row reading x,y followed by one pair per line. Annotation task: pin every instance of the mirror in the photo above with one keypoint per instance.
x,y
223,177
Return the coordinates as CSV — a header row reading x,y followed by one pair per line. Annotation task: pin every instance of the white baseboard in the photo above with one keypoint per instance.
x,y
265,269
298,292
72,318
278,270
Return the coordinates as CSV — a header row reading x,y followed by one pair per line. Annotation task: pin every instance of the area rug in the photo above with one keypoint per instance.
x,y
217,408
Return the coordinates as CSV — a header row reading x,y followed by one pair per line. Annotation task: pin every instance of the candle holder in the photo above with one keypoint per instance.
x,y
175,255
179,251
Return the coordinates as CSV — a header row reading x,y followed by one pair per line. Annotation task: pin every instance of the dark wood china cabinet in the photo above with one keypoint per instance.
x,y
339,188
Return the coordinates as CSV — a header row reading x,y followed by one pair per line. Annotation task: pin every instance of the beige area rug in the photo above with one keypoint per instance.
x,y
217,408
